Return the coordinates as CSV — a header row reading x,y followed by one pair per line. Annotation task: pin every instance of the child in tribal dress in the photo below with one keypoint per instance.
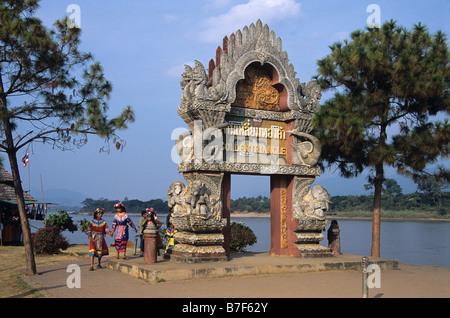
x,y
171,230
97,244
120,226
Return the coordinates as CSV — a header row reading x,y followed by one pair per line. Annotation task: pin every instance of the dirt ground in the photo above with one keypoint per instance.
x,y
408,281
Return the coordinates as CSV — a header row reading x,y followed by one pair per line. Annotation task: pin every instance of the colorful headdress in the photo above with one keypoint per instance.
x,y
102,210
150,211
119,205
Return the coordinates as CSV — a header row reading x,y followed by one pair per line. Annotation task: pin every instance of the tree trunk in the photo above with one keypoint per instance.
x,y
12,151
378,187
27,242
378,183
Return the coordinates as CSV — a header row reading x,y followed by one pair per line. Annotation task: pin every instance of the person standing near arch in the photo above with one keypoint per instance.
x,y
120,227
97,244
333,235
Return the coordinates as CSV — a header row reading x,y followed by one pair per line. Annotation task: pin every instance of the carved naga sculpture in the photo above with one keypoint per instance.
x,y
307,152
194,85
312,94
186,84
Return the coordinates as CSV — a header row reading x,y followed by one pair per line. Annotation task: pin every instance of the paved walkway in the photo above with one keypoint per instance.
x,y
406,281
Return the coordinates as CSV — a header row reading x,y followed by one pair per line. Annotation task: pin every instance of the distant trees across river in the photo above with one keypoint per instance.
x,y
437,202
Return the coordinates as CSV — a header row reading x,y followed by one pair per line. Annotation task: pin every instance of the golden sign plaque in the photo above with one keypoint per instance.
x,y
250,140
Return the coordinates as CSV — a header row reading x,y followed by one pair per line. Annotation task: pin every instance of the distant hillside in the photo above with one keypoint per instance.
x,y
132,206
61,197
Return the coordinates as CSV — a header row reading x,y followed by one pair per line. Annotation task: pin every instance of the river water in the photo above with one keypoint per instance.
x,y
410,242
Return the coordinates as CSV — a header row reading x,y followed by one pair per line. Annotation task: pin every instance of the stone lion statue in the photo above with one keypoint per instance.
x,y
315,203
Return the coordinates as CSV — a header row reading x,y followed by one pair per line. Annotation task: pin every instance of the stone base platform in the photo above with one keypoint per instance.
x,y
189,258
240,264
314,250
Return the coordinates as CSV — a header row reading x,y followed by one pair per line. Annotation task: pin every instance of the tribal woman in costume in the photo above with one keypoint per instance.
x,y
120,226
97,244
151,217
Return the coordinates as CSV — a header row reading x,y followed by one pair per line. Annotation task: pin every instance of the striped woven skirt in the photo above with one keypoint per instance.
x,y
121,238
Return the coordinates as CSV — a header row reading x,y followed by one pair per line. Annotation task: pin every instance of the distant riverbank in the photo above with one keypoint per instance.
x,y
364,218
388,215
385,215
250,214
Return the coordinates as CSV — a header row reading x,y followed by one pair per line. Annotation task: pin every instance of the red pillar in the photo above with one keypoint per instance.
x,y
274,216
226,210
282,225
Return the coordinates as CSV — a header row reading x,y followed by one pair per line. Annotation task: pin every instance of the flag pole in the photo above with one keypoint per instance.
x,y
29,183
43,200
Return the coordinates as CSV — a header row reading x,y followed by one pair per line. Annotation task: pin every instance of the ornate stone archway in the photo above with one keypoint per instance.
x,y
248,114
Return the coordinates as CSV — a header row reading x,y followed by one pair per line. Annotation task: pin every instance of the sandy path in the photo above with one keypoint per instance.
x,y
409,281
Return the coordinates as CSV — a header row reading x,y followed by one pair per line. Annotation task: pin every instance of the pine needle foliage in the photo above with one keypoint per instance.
x,y
390,105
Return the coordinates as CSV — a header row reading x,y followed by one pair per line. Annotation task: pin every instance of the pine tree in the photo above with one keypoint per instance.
x,y
50,92
391,87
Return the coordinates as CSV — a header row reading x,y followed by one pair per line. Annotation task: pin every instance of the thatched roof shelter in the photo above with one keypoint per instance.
x,y
7,192
10,229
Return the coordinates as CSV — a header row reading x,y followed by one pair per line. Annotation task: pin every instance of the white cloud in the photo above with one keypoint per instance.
x,y
215,28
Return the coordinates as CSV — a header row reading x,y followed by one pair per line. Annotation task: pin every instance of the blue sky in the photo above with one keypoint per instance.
x,y
143,46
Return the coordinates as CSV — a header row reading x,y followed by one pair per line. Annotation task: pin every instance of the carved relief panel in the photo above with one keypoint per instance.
x,y
256,90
